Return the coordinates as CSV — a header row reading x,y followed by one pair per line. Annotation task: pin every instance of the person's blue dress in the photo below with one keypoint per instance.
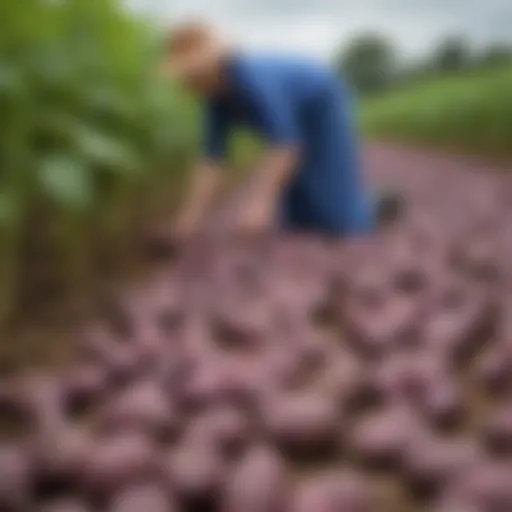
x,y
290,101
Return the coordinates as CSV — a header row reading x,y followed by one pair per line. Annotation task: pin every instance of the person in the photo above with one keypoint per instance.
x,y
309,176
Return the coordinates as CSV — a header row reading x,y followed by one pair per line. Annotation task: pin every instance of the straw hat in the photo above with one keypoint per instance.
x,y
192,50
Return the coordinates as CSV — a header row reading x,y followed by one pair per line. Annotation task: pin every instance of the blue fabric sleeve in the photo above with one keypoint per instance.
x,y
274,109
216,131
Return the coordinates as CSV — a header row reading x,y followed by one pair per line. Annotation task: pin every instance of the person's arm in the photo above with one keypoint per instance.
x,y
273,172
202,191
206,178
278,120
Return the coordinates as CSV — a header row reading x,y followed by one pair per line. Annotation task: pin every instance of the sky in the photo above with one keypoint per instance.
x,y
320,27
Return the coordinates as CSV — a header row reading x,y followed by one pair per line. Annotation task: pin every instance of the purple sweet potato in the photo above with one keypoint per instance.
x,y
371,289
443,405
295,363
333,491
242,325
450,503
83,386
121,363
258,483
374,334
58,456
196,471
302,422
246,378
349,383
43,396
409,277
486,487
408,376
16,411
379,440
16,479
225,426
115,462
479,260
65,505
449,293
431,463
314,349
494,370
206,386
497,432
144,407
284,367
149,349
143,497
460,333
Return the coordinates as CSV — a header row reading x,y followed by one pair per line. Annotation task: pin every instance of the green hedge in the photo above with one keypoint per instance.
x,y
471,111
92,141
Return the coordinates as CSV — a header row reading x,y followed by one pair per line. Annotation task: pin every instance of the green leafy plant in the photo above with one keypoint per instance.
x,y
89,132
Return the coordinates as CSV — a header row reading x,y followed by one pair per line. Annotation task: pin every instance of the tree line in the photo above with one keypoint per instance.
x,y
372,63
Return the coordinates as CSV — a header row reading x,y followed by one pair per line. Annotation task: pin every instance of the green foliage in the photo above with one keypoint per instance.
x,y
451,54
368,63
87,128
470,111
496,54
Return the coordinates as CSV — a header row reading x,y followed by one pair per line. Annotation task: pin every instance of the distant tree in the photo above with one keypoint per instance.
x,y
452,54
495,54
368,63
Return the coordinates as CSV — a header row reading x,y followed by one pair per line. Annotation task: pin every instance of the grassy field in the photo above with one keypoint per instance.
x,y
470,112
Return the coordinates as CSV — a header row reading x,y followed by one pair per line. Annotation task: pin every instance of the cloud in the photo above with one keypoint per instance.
x,y
319,27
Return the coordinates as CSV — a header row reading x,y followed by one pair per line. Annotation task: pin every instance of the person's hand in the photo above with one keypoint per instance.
x,y
167,241
184,228
255,219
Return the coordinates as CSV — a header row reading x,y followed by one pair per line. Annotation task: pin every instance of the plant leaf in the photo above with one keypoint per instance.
x,y
67,181
105,150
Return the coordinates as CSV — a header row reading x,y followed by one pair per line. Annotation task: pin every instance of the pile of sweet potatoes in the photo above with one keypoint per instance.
x,y
295,374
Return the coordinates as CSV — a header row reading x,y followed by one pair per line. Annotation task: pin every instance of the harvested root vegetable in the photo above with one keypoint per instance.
x,y
379,441
196,471
431,463
497,432
226,427
84,386
443,405
143,498
65,505
16,479
485,487
258,483
333,491
143,407
302,423
117,461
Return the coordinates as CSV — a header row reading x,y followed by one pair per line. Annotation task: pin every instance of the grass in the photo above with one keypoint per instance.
x,y
470,111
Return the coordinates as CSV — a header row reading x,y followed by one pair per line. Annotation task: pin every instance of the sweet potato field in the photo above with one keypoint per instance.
x,y
292,374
